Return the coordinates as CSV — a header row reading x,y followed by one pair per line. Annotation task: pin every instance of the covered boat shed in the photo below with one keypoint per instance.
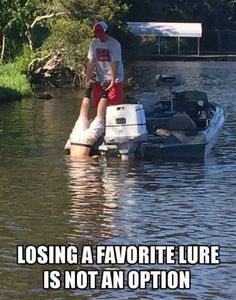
x,y
165,29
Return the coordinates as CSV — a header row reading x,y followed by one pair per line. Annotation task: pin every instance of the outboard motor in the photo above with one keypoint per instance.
x,y
125,129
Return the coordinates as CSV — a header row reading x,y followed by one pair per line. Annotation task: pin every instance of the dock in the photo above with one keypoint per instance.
x,y
181,57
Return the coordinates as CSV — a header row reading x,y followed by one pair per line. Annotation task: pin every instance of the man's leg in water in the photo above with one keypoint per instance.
x,y
102,106
84,109
91,135
80,126
82,123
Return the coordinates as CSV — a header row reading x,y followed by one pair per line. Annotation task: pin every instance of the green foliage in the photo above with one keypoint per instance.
x,y
113,11
130,43
73,33
22,61
11,78
13,23
214,14
73,38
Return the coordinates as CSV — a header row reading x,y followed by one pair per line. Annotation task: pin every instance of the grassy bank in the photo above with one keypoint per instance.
x,y
13,83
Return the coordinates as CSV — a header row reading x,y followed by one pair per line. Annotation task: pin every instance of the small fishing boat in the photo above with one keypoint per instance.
x,y
183,126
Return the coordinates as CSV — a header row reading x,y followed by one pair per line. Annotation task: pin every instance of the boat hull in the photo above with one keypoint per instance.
x,y
187,145
194,152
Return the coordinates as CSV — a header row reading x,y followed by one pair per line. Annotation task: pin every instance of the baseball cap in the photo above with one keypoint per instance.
x,y
100,29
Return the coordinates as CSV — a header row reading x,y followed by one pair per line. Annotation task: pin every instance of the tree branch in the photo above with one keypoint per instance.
x,y
2,48
38,19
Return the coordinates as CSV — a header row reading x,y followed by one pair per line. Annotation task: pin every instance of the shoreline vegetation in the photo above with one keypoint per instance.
x,y
33,33
14,80
14,84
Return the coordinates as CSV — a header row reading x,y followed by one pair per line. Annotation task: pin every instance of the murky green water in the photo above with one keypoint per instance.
x,y
47,199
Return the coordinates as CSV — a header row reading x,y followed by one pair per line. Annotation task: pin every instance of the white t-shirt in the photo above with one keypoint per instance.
x,y
104,53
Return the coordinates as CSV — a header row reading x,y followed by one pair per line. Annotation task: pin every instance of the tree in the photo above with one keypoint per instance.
x,y
70,37
113,11
73,34
13,19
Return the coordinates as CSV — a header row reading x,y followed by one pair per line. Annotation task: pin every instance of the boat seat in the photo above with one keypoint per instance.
x,y
172,122
181,121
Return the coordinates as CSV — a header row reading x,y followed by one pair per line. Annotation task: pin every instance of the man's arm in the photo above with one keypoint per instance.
x,y
114,66
115,59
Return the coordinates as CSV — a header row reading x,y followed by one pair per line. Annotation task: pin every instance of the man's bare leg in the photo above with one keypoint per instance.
x,y
84,109
101,109
82,122
85,105
78,151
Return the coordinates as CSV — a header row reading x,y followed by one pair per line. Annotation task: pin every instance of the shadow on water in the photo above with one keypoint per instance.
x,y
8,94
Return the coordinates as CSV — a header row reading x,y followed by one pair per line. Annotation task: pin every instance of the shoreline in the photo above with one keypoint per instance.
x,y
180,57
9,94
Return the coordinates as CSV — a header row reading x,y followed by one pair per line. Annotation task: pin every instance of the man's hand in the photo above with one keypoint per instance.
x,y
90,83
107,85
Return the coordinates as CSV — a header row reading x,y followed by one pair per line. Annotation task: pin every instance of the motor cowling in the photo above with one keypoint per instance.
x,y
125,127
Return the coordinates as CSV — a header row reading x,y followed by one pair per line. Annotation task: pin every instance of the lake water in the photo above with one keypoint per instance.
x,y
48,200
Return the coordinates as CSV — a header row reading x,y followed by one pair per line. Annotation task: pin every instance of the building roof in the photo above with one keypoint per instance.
x,y
166,29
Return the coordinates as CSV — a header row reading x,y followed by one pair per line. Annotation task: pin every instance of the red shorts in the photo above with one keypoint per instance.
x,y
115,96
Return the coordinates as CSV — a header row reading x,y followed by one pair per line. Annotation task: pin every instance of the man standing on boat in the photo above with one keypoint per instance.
x,y
104,57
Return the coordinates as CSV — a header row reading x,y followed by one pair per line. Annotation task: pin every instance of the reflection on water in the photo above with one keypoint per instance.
x,y
141,203
48,199
93,202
